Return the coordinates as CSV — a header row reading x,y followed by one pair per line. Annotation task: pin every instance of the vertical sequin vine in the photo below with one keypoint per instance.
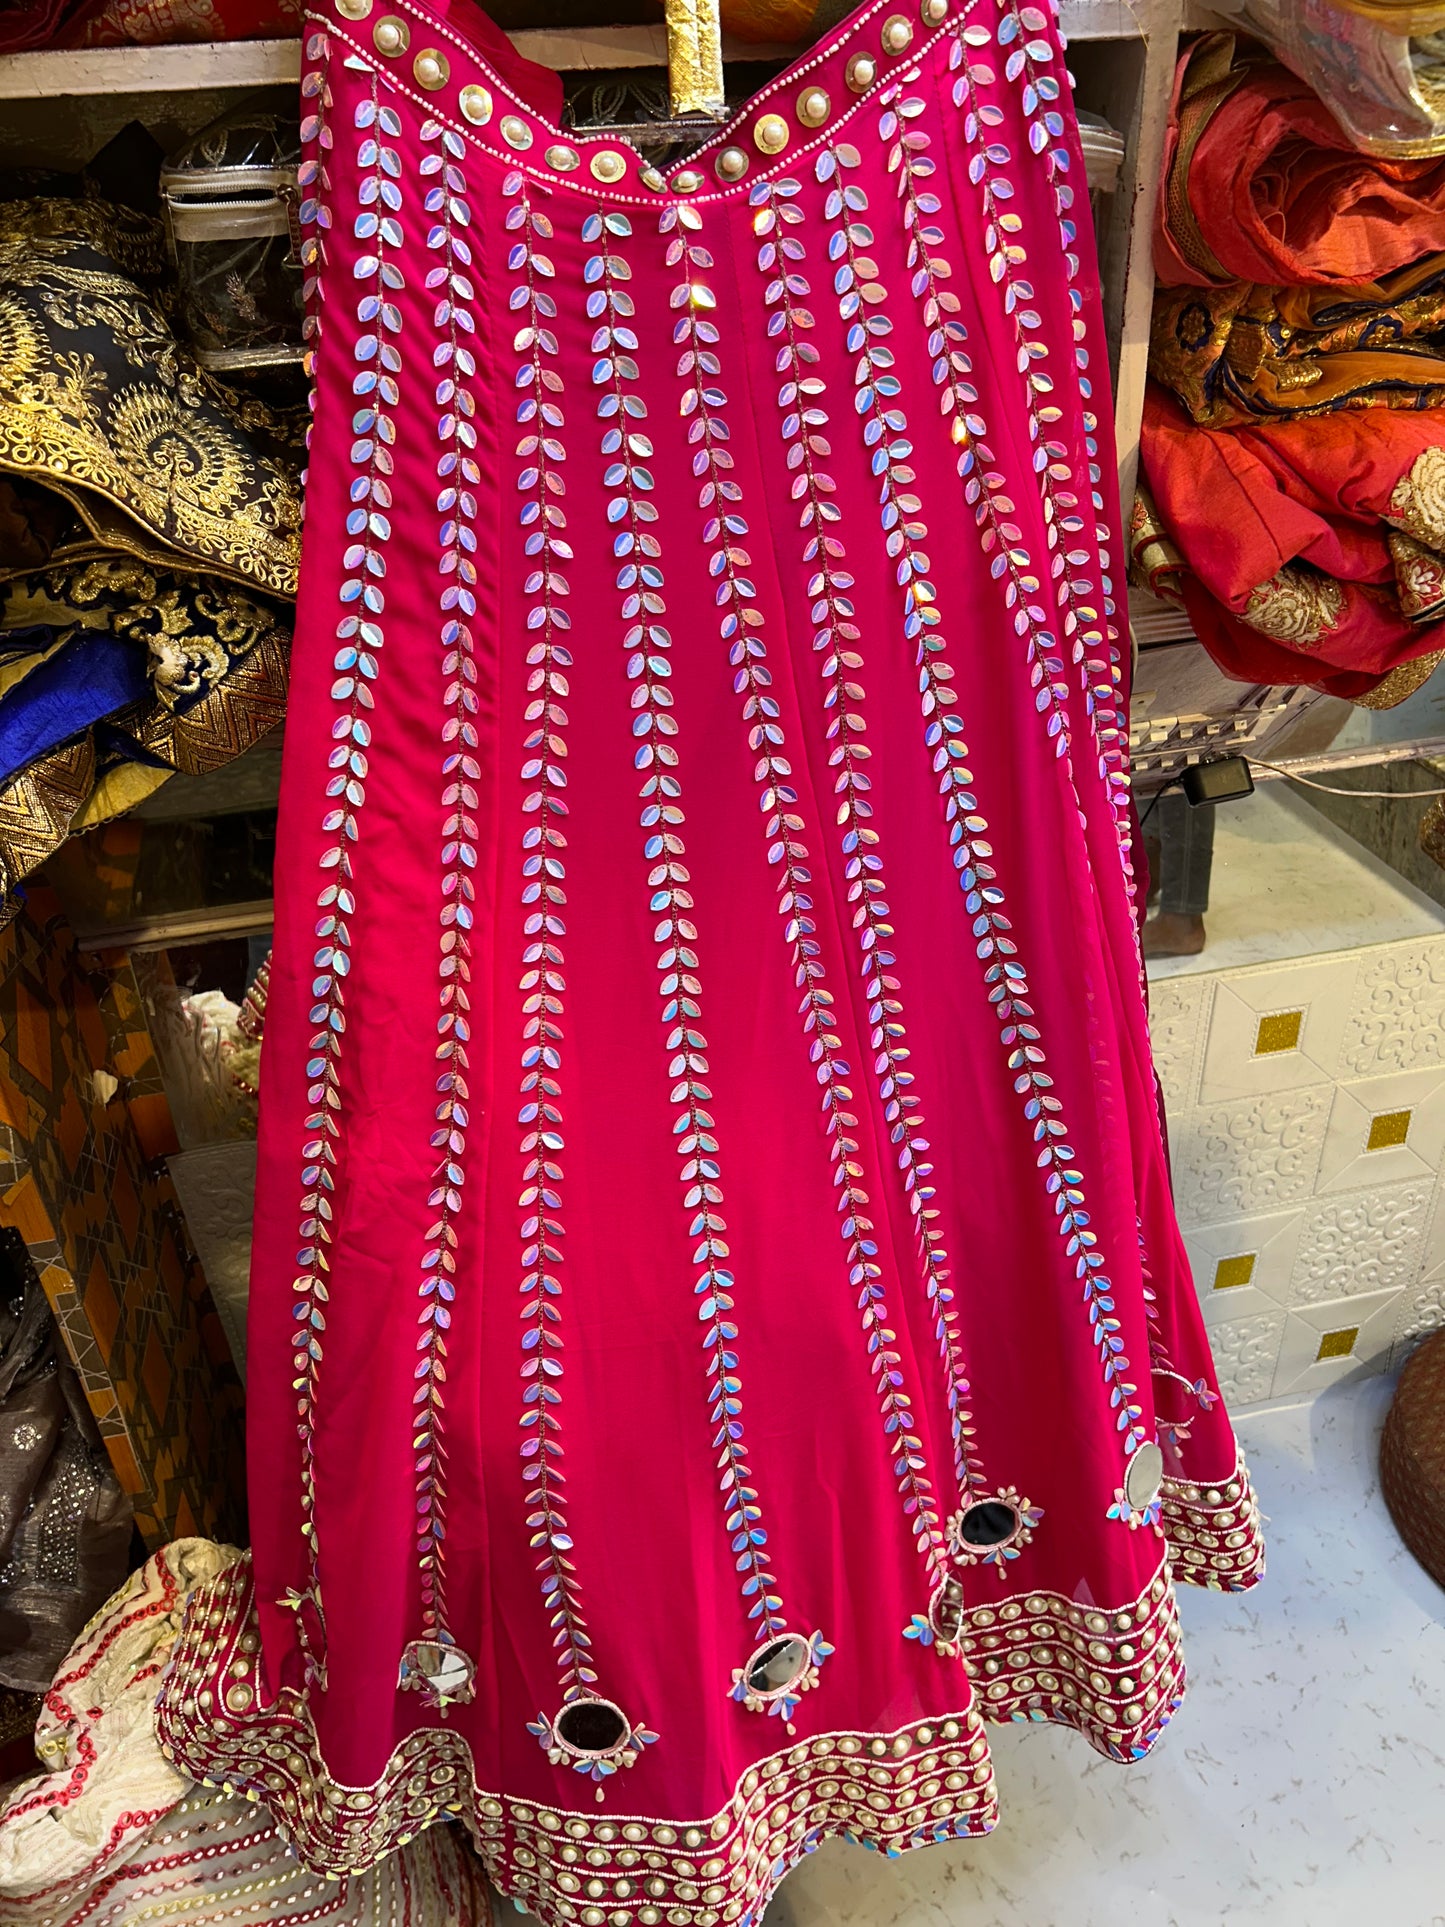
x,y
313,178
627,448
741,627
542,487
356,663
433,1664
1090,616
861,295
804,425
1076,544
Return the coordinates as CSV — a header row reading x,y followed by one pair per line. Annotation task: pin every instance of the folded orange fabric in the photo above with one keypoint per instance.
x,y
1308,551
1262,184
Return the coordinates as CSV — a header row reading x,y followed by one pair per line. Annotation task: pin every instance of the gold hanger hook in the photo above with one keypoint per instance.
x,y
694,58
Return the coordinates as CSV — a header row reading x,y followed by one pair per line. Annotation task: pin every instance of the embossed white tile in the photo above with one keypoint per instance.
x,y
1235,1160
1398,1022
1246,1351
1368,1322
1435,1232
1298,1786
1314,997
1347,1163
1421,1311
1220,1254
1362,1241
1176,1019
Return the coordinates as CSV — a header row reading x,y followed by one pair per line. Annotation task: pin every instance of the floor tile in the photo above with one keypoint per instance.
x,y
1302,1784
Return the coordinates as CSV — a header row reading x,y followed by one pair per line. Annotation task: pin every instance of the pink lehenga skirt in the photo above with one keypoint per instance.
x,y
719,1332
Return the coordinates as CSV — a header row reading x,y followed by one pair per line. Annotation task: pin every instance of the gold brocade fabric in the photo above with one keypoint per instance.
x,y
1242,352
104,408
219,661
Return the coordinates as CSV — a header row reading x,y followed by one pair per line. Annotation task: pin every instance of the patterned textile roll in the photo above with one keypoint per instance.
x,y
65,1524
1245,353
793,22
1261,184
102,407
200,671
110,1834
1309,551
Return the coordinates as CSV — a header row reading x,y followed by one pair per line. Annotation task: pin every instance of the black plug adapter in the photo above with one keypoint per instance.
x,y
1224,779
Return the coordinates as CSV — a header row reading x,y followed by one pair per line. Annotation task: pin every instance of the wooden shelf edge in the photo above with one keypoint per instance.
x,y
192,68
196,66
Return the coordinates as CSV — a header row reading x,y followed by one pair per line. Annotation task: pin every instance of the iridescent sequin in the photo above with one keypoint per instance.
x,y
379,278
1034,64
885,426
725,527
632,514
432,1664
542,486
836,638
1088,612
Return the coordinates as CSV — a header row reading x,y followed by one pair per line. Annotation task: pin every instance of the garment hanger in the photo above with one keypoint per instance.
x,y
697,98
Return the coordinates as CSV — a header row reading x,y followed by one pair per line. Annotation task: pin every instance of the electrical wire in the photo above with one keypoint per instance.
x,y
1172,783
1331,789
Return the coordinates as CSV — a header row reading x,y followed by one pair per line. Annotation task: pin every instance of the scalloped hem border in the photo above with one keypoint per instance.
x,y
1115,1674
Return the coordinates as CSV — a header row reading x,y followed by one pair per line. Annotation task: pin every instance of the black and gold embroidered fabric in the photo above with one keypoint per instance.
x,y
102,406
218,661
140,500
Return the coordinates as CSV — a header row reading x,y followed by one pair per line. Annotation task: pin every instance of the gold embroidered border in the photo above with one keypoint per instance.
x,y
926,1781
99,402
1114,1673
1417,502
1296,606
1214,1532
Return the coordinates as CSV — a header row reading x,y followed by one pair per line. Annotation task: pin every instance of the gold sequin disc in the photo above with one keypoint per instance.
x,y
432,69
476,105
391,36
813,106
771,134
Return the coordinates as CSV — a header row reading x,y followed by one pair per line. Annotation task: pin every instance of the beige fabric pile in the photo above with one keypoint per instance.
x,y
112,1834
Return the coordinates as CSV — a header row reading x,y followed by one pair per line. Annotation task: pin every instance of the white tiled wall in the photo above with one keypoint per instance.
x,y
1333,1253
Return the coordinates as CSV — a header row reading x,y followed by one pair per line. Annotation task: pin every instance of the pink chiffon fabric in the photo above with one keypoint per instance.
x,y
711,1200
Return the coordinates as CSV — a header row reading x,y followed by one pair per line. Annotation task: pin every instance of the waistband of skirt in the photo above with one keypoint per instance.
x,y
791,118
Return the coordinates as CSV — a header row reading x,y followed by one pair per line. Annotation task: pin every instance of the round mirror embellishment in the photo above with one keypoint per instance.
x,y
593,1736
439,1670
993,1529
778,1674
942,1625
1138,1501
